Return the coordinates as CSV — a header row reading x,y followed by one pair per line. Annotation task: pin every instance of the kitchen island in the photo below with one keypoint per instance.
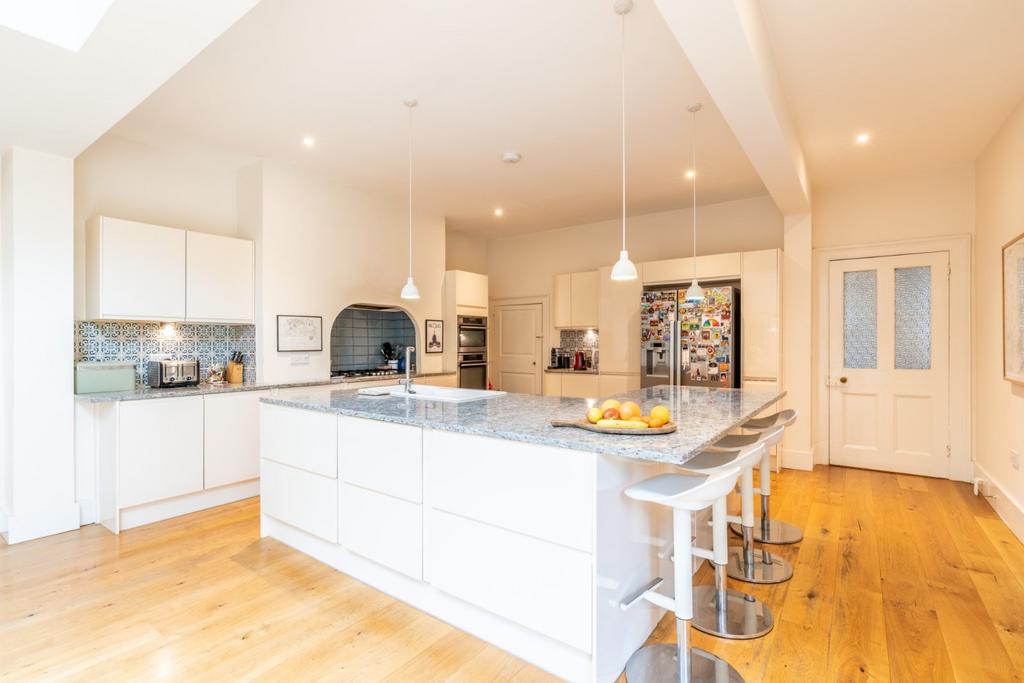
x,y
484,515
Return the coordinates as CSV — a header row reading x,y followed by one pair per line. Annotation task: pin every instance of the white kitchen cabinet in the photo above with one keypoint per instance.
x,y
680,270
614,385
580,385
618,319
760,310
466,292
160,449
220,279
382,457
584,299
304,439
382,528
552,384
305,500
134,271
231,428
562,301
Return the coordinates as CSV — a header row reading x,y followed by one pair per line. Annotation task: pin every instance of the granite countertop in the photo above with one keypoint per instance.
x,y
570,371
703,415
144,392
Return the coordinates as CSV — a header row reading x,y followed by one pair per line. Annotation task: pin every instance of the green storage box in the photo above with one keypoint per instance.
x,y
92,377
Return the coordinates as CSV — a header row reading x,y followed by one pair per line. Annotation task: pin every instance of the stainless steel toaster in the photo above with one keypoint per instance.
x,y
173,373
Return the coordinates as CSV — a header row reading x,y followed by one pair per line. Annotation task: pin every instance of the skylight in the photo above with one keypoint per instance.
x,y
64,23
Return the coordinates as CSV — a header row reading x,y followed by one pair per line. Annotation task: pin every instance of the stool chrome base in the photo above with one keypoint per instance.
x,y
758,571
744,616
778,533
656,663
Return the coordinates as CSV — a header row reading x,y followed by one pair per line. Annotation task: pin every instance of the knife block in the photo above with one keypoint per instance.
x,y
235,372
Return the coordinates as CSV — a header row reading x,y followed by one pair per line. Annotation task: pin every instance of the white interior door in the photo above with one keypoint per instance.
x,y
889,363
519,332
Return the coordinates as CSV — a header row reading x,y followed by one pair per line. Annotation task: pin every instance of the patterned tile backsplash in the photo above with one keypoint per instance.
x,y
578,340
357,334
135,341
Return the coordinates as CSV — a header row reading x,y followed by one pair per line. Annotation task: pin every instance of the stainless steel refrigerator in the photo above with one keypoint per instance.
x,y
690,343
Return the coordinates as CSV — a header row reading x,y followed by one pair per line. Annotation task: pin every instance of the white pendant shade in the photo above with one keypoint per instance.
x,y
695,292
624,268
410,291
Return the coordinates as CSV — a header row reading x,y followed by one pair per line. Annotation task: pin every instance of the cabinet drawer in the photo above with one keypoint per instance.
x,y
544,587
382,457
305,500
383,529
543,492
301,438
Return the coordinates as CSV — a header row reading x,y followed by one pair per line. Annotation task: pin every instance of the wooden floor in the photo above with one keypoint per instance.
x,y
898,578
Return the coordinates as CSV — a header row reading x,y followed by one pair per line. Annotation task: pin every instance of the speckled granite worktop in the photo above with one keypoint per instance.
x,y
703,415
337,383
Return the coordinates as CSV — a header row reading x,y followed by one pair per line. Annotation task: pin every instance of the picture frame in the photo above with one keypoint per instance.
x,y
300,333
433,336
1013,310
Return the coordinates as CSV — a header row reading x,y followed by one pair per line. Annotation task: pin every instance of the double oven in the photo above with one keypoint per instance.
x,y
472,352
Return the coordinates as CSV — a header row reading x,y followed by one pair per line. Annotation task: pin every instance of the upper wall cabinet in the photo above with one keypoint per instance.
x,y
619,322
466,292
135,271
575,300
220,279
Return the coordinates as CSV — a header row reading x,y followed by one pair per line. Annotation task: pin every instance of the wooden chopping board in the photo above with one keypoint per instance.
x,y
583,424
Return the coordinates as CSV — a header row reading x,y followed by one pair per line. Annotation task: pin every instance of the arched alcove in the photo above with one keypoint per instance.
x,y
359,332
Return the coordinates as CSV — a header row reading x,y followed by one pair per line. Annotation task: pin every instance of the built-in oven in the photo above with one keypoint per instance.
x,y
472,334
473,370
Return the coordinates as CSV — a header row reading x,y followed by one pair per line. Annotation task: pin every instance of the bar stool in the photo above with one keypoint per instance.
x,y
716,609
685,494
766,529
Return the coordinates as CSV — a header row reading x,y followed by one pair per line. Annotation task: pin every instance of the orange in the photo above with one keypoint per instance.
x,y
629,411
610,403
656,422
660,413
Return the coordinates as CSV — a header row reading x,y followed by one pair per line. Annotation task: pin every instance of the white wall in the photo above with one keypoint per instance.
x,y
178,187
322,246
36,317
525,265
465,252
999,410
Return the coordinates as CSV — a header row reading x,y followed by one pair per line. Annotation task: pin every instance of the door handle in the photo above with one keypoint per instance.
x,y
843,380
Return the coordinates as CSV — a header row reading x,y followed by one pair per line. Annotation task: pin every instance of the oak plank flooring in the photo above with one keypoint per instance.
x,y
899,578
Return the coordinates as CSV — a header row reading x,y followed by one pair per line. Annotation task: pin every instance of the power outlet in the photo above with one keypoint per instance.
x,y
1015,459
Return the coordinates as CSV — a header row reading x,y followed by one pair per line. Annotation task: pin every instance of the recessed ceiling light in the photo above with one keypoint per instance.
x,y
511,157
499,213
308,140
863,138
691,174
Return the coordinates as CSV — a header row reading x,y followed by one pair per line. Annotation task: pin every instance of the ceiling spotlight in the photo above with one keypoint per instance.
x,y
499,212
863,138
691,174
511,157
308,141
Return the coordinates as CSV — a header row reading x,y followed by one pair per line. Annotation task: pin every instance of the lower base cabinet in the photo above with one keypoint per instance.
x,y
231,437
159,449
382,528
303,499
571,385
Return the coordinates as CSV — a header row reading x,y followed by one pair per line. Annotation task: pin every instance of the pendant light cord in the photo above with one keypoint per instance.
x,y
410,191
694,152
623,60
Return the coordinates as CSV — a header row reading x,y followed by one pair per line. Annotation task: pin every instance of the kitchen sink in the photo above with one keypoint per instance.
x,y
430,393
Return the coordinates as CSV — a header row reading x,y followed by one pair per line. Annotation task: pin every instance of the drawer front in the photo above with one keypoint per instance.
x,y
384,529
543,492
305,500
382,457
301,438
542,586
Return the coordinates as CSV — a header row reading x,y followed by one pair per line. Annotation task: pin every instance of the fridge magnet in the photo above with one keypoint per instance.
x,y
434,335
300,333
1013,310
706,335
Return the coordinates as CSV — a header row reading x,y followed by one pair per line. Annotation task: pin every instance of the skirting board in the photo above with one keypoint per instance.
x,y
793,459
183,505
1006,506
29,525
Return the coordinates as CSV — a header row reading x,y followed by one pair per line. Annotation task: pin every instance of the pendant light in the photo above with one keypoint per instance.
x,y
695,292
623,268
410,291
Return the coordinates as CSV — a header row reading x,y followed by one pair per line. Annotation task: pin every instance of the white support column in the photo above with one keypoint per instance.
x,y
37,493
797,450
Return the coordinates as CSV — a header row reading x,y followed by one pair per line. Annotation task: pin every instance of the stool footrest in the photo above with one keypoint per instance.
x,y
638,595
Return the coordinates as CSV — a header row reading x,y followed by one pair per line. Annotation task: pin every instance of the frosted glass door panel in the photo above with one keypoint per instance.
x,y
913,318
860,319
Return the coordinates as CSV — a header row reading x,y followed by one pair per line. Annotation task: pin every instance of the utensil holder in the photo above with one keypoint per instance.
x,y
235,372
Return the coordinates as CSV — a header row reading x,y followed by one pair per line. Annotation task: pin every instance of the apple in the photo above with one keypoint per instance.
x,y
593,415
611,414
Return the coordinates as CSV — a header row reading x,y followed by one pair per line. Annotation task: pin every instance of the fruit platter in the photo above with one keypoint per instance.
x,y
612,417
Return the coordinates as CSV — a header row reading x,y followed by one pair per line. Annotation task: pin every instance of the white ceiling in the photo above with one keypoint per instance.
x,y
930,81
534,76
57,100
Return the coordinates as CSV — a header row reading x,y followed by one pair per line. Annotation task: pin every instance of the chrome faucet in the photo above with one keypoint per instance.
x,y
408,369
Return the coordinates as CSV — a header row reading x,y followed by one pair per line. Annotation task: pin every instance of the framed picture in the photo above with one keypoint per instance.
x,y
1013,310
300,333
433,336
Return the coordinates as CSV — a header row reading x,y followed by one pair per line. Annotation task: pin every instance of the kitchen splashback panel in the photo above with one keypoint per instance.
x,y
135,341
357,334
578,340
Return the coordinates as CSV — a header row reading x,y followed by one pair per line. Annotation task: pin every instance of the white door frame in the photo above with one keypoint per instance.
x,y
545,315
961,365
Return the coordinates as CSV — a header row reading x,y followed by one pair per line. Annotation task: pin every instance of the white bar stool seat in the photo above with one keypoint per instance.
x,y
684,493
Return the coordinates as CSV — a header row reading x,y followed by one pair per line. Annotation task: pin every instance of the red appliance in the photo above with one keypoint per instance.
x,y
580,362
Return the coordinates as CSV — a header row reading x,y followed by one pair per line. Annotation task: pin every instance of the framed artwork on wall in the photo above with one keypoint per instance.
x,y
433,336
1013,310
300,333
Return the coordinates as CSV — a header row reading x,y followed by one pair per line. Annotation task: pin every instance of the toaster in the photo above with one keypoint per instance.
x,y
173,373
